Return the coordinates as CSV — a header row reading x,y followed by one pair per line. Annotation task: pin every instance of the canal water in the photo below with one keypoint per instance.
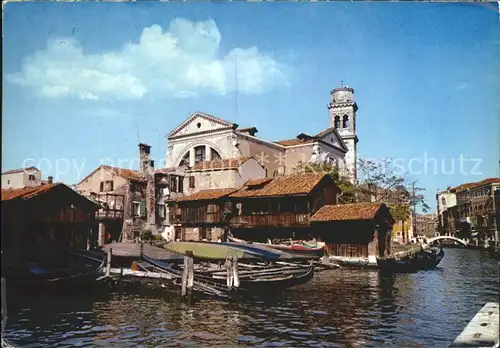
x,y
339,308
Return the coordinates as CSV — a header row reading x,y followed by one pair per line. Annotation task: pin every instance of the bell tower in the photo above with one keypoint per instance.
x,y
343,108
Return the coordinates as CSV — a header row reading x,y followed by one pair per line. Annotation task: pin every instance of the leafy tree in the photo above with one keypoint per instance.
x,y
349,191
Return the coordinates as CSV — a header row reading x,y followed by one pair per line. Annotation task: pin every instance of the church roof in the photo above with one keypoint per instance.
x,y
295,141
204,115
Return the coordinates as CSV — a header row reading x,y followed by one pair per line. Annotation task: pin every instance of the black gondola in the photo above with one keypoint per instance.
x,y
426,259
68,270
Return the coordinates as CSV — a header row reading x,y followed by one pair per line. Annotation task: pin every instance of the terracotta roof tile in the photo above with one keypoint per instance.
x,y
471,185
249,130
292,142
258,182
283,185
341,212
325,132
19,170
128,174
207,195
220,164
26,192
165,170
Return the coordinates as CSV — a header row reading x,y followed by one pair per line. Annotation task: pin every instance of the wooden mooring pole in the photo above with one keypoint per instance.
x,y
236,277
187,274
108,262
229,273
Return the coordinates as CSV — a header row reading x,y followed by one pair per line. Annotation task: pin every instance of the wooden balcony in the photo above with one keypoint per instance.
x,y
109,214
111,206
207,218
281,220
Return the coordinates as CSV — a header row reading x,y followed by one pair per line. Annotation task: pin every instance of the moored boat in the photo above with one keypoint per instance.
x,y
71,270
221,251
253,279
425,259
296,251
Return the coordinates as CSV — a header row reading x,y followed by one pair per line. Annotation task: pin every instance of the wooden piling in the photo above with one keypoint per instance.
x,y
108,262
185,274
190,280
236,278
229,273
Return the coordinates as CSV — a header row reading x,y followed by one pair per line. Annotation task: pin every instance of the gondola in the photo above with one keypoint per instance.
x,y
221,251
67,270
277,276
426,259
296,251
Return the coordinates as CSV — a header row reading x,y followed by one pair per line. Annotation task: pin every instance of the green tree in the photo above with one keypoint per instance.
x,y
349,191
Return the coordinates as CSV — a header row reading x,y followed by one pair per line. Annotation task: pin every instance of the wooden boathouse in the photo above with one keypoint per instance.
x,y
360,230
51,215
261,209
281,207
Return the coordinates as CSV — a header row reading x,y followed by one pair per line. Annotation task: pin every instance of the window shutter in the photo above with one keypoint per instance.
x,y
143,209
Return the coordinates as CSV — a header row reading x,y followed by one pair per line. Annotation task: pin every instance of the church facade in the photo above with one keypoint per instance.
x,y
203,143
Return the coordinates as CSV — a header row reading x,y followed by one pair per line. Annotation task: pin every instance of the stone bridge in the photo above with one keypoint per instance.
x,y
435,239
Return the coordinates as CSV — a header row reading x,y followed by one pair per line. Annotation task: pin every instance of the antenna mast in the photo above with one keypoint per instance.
x,y
137,131
236,86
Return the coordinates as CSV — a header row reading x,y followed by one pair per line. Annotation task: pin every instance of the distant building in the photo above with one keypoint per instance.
x,y
23,177
446,201
132,201
402,231
426,225
470,210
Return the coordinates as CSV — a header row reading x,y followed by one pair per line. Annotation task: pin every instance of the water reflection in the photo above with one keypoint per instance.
x,y
336,309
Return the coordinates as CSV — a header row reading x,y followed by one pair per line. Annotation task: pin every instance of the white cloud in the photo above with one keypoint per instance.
x,y
461,86
181,62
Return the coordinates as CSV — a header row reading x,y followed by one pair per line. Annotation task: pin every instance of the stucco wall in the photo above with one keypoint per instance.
x,y
93,182
207,180
14,180
450,200
267,154
21,179
249,170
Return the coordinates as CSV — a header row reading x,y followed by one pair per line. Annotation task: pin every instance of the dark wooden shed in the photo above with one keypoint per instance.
x,y
355,230
38,218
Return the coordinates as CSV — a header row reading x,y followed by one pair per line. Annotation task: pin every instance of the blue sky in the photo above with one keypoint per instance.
x,y
84,82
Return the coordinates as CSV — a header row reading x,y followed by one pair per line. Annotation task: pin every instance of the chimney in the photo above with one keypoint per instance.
x,y
144,151
50,180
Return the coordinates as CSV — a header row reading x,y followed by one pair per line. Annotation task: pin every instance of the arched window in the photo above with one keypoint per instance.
x,y
185,160
345,121
199,154
215,155
337,122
